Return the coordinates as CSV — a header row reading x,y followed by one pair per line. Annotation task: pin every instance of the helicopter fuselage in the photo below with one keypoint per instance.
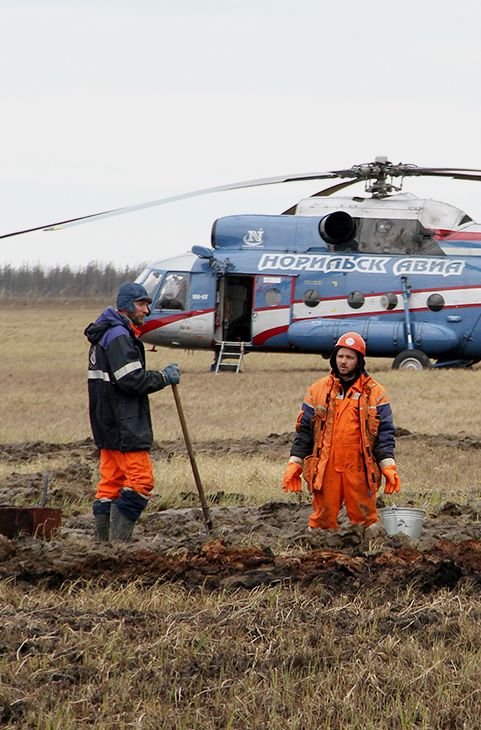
x,y
405,273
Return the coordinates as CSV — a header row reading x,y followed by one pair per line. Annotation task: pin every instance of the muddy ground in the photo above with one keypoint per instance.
x,y
249,546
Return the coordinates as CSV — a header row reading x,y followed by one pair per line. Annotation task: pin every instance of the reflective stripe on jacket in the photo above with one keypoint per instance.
x,y
358,422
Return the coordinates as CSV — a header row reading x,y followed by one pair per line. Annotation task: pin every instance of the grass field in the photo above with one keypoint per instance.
x,y
44,357
44,399
94,654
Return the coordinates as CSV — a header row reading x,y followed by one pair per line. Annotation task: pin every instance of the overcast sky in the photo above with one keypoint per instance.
x,y
108,103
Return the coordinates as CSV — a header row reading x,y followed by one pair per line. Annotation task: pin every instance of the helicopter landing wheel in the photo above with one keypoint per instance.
x,y
411,360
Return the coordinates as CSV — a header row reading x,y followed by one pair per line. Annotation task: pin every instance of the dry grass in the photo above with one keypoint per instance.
x,y
89,656
44,398
44,393
430,478
277,658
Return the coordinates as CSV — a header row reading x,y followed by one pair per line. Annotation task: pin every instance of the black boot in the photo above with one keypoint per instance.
x,y
121,528
101,510
102,527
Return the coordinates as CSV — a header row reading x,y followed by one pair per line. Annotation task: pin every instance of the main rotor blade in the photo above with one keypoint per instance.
x,y
54,226
172,199
412,170
383,170
446,170
358,172
455,174
322,193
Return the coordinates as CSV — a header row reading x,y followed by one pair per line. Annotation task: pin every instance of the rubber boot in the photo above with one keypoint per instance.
x,y
101,511
102,527
120,527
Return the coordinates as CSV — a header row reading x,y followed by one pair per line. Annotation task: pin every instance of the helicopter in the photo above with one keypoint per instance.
x,y
402,271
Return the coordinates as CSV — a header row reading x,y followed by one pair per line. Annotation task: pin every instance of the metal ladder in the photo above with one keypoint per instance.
x,y
230,357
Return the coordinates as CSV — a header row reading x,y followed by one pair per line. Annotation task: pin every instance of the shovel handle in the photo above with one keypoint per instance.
x,y
190,451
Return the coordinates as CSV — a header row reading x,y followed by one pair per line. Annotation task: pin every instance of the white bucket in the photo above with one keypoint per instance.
x,y
407,520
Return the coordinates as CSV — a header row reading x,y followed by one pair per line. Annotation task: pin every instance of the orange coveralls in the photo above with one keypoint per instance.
x,y
342,467
124,470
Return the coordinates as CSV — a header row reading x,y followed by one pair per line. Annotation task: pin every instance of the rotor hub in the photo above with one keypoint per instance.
x,y
379,176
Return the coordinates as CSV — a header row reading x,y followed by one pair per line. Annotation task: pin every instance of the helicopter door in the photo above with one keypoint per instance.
x,y
271,312
234,308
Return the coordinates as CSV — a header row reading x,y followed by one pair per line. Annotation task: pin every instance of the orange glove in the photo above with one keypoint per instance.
x,y
393,482
291,481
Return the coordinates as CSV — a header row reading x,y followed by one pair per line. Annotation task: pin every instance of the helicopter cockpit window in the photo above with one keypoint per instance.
x,y
173,294
150,280
356,299
312,297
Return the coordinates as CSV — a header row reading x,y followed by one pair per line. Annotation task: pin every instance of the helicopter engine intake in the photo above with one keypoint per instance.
x,y
337,228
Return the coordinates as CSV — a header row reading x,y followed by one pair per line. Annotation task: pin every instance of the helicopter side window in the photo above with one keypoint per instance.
x,y
272,297
356,299
312,297
389,300
173,294
435,302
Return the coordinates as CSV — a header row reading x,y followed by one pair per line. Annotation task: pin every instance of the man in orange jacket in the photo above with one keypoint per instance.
x,y
344,440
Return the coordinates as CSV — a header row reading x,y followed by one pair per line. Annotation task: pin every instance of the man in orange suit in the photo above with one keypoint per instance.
x,y
344,440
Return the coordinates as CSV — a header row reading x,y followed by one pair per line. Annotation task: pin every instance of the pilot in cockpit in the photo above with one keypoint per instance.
x,y
173,294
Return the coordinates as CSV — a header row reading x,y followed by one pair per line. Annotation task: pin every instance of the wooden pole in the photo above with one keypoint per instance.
x,y
190,451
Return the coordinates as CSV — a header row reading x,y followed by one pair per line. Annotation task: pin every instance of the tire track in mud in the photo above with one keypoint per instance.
x,y
272,444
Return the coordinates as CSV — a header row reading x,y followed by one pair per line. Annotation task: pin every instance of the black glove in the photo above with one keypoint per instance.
x,y
171,374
